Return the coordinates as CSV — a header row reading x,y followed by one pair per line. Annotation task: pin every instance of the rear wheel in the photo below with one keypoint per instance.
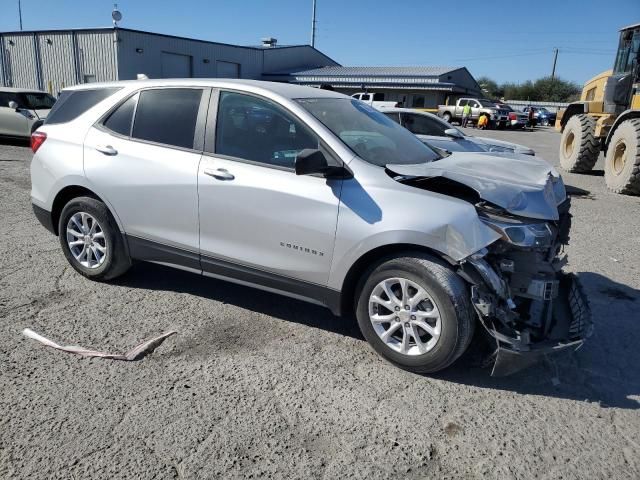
x,y
579,148
622,162
446,117
91,240
415,312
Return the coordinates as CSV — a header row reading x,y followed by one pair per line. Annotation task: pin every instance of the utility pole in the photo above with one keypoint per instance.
x,y
555,59
313,25
20,13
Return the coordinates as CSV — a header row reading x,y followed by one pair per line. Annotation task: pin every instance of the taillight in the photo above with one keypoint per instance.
x,y
512,116
37,139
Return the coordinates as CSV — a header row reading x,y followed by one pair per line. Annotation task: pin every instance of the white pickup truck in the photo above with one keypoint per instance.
x,y
376,100
479,107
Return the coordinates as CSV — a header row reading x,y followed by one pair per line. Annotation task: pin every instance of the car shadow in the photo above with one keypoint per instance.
x,y
15,142
605,370
150,276
593,173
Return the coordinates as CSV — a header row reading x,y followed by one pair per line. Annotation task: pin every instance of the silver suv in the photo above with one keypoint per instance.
x,y
318,196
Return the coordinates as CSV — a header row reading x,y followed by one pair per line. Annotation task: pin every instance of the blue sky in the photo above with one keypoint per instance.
x,y
506,40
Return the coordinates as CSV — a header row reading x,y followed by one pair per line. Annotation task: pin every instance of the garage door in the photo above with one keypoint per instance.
x,y
228,69
175,65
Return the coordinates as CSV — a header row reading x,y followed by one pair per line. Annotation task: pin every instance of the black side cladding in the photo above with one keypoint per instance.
x,y
44,217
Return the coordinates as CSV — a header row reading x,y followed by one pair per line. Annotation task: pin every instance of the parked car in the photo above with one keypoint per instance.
x,y
22,111
479,107
517,118
318,196
543,116
438,133
374,99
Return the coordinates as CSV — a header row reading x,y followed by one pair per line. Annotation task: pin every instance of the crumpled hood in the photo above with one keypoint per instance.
x,y
523,185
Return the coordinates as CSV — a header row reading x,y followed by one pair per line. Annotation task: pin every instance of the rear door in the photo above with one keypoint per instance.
x,y
143,157
259,221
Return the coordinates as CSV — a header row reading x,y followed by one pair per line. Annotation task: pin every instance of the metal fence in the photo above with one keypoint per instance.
x,y
552,106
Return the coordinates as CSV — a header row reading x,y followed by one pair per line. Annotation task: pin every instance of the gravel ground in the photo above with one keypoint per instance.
x,y
257,385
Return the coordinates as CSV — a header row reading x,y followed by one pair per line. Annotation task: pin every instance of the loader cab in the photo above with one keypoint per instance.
x,y
622,90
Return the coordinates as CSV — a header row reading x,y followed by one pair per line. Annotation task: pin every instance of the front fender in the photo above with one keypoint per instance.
x,y
395,214
626,115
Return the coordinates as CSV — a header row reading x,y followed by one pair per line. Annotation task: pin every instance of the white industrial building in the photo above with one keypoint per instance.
x,y
53,59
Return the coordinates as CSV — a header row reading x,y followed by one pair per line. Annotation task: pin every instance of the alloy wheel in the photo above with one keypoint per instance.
x,y
405,316
86,241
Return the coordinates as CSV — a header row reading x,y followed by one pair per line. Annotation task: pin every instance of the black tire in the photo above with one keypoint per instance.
x,y
446,116
449,293
116,261
579,148
622,161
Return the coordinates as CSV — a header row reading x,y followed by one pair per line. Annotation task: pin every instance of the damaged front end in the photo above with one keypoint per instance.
x,y
523,298
529,306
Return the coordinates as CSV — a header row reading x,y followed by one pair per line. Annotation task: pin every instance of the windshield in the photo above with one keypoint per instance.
x,y
37,101
369,133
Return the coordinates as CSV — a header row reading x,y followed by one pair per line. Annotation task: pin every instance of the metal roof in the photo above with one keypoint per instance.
x,y
377,71
145,32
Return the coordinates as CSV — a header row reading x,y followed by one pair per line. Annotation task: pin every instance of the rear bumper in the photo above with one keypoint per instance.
x,y
44,217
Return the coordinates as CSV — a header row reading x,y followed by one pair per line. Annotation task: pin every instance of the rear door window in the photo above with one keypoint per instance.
x,y
73,103
121,118
423,125
167,116
395,116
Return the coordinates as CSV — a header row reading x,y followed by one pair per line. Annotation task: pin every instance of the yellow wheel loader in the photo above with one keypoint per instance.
x,y
607,118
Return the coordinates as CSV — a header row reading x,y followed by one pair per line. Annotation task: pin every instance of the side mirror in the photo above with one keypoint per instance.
x,y
453,133
312,161
13,105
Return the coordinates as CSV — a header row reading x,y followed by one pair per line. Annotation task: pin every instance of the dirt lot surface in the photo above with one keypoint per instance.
x,y
260,386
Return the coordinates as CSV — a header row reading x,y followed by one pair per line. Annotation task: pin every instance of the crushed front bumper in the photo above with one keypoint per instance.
x,y
570,325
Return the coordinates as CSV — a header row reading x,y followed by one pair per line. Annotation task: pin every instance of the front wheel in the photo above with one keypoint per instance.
x,y
622,160
91,240
579,147
415,312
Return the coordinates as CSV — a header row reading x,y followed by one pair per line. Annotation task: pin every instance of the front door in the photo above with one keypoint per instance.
x,y
147,171
259,221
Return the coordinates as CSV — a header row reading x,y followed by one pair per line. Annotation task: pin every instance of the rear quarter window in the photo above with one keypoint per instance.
x,y
73,103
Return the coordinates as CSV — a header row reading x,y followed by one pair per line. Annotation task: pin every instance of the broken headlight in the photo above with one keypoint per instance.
x,y
538,235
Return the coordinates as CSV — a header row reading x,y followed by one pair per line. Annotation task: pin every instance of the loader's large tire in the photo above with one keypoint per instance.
x,y
622,162
579,148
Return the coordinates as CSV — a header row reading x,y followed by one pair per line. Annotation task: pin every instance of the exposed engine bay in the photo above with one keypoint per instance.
x,y
524,300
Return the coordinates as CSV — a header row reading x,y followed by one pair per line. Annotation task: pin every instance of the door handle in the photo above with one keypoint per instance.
x,y
106,149
220,173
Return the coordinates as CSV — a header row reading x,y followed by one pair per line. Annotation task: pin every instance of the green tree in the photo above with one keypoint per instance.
x,y
543,89
490,88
